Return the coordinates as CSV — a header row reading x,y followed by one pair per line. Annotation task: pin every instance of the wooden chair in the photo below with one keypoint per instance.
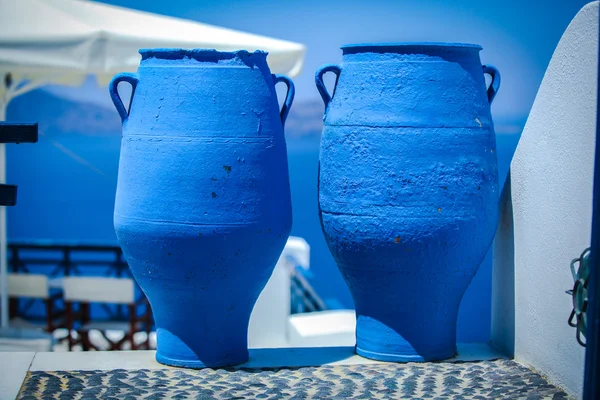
x,y
80,292
34,286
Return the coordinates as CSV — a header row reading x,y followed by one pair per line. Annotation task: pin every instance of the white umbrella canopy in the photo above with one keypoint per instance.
x,y
52,38
62,41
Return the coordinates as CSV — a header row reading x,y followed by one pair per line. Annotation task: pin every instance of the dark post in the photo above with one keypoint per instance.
x,y
11,132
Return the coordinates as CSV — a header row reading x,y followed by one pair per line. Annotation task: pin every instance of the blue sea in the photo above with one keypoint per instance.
x,y
67,185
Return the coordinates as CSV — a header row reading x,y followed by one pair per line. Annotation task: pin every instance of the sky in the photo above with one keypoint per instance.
x,y
518,36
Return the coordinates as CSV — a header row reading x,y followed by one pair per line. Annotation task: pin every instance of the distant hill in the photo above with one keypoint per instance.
x,y
66,111
305,119
57,115
88,111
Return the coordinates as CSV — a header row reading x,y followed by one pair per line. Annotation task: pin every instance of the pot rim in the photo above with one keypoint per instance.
x,y
200,54
357,47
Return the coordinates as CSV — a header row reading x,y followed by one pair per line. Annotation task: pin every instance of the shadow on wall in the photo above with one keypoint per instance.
x,y
503,277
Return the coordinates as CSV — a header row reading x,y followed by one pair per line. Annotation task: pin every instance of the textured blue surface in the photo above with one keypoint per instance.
x,y
202,208
71,198
408,190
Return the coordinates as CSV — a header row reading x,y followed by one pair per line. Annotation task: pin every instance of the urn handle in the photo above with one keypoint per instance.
x,y
113,89
336,69
289,97
495,84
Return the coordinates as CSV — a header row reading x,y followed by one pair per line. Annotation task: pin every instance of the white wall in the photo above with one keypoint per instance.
x,y
330,328
268,326
552,179
268,322
271,323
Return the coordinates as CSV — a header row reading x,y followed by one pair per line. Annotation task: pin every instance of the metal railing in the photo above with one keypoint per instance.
x,y
304,298
67,259
63,259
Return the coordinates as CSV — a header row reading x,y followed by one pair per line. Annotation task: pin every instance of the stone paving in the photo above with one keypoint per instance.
x,y
496,379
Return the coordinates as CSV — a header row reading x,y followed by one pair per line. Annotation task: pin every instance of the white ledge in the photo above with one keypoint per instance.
x,y
259,358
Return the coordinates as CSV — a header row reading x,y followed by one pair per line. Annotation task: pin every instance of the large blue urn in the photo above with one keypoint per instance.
x,y
408,189
203,206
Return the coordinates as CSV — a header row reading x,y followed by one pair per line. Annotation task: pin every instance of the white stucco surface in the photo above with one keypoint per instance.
x,y
552,176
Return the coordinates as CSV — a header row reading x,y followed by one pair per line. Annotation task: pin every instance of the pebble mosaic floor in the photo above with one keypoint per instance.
x,y
498,379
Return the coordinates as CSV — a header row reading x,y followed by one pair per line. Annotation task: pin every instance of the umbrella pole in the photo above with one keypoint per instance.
x,y
8,90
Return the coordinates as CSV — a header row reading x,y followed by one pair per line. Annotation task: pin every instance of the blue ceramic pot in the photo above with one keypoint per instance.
x,y
408,189
203,206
